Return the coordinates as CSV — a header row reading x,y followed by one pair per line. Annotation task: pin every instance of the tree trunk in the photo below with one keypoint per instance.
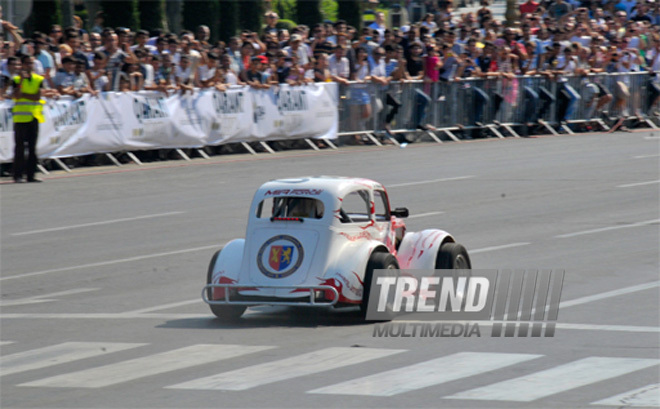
x,y
120,13
308,12
151,14
44,14
196,13
228,17
350,11
173,13
250,15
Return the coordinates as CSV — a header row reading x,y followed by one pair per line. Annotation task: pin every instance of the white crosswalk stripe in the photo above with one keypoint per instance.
x,y
297,366
558,379
646,397
425,374
146,366
58,354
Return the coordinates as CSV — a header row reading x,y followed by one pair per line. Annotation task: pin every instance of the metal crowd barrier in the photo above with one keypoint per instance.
x,y
500,105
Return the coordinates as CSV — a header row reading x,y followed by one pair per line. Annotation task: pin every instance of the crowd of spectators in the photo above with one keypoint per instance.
x,y
552,38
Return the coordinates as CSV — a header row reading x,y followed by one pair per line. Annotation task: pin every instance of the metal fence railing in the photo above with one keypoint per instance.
x,y
478,103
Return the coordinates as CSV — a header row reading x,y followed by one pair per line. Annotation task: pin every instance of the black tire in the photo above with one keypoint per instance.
x,y
224,312
377,261
452,256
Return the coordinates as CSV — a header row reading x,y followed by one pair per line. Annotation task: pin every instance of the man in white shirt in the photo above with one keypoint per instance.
x,y
338,63
297,48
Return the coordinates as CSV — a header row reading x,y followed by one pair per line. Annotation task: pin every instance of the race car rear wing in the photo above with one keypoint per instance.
x,y
302,289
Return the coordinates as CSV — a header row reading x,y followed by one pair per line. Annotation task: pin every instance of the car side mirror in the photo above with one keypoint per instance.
x,y
401,212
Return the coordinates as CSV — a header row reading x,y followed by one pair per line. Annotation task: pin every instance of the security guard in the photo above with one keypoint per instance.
x,y
27,113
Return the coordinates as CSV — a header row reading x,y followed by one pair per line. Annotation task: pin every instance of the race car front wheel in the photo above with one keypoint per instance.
x,y
224,312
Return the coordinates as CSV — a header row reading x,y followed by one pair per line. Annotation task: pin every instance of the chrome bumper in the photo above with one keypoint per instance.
x,y
311,290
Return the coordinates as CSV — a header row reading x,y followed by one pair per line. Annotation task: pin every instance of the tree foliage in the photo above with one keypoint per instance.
x,y
120,13
349,10
151,14
286,9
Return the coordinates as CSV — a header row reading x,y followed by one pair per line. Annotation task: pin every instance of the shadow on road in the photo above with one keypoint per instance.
x,y
268,317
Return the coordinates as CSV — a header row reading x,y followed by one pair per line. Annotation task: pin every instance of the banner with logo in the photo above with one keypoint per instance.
x,y
113,122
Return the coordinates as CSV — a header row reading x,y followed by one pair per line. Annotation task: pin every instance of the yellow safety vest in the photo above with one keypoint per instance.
x,y
24,109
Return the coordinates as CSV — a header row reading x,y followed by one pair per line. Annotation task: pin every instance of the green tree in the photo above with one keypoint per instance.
x,y
250,14
44,14
308,12
120,13
151,14
228,18
196,13
350,11
286,9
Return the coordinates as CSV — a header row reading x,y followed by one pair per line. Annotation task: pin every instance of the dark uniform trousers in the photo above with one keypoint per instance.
x,y
25,134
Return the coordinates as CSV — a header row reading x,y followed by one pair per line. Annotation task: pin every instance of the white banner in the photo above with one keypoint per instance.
x,y
114,122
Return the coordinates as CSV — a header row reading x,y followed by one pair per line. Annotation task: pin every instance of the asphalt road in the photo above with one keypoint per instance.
x,y
102,272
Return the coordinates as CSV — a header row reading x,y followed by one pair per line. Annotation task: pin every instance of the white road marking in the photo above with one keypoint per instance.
x,y
164,306
44,298
558,379
603,229
147,366
415,216
294,367
425,374
650,182
646,156
608,294
494,248
58,354
111,262
652,137
648,396
77,226
6,342
424,182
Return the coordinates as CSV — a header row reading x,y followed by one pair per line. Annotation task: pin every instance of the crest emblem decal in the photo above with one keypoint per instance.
x,y
280,256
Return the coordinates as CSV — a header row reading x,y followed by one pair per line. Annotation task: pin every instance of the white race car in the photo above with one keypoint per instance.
x,y
315,241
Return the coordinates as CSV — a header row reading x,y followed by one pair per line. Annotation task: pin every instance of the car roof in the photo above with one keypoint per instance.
x,y
337,186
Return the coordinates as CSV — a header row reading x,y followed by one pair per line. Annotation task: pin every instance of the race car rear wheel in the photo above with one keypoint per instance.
x,y
452,256
225,312
377,261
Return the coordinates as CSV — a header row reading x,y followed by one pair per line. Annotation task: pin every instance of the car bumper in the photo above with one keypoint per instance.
x,y
309,296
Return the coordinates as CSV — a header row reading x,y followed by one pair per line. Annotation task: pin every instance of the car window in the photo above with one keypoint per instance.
x,y
289,206
355,207
382,206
